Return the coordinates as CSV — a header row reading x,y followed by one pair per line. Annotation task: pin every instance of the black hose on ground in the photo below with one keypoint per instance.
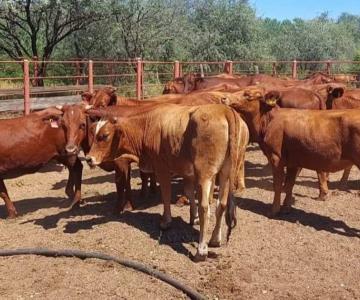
x,y
124,262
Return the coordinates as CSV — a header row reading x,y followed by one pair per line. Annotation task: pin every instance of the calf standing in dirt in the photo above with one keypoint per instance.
x,y
197,142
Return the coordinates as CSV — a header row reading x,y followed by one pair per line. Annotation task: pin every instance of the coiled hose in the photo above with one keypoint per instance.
x,y
124,262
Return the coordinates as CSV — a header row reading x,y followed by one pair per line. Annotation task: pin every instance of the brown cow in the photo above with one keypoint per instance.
x,y
122,167
326,141
349,99
195,142
191,83
28,143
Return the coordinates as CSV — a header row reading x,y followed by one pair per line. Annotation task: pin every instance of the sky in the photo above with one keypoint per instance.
x,y
305,9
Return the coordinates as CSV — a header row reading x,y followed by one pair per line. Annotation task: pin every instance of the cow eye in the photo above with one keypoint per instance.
x,y
102,137
82,126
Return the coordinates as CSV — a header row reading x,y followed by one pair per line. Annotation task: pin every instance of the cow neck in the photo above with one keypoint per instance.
x,y
133,129
266,116
253,121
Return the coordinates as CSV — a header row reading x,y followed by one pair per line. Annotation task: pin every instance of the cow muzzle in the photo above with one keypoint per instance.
x,y
71,149
91,161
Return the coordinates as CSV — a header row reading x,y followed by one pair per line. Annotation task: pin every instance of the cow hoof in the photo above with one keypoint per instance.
x,y
238,193
285,209
74,204
214,244
70,193
199,257
322,198
165,225
182,201
12,215
195,221
127,207
272,214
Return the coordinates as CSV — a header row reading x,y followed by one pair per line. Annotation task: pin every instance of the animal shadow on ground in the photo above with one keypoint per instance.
x,y
318,222
31,205
102,208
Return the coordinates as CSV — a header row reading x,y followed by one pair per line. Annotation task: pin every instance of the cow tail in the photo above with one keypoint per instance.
x,y
230,214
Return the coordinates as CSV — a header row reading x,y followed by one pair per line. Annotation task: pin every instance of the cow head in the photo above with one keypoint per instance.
x,y
248,105
190,81
74,122
109,141
101,98
175,86
334,91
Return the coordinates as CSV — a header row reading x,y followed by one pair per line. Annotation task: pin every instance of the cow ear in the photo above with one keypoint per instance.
x,y
86,96
60,107
335,92
271,101
54,121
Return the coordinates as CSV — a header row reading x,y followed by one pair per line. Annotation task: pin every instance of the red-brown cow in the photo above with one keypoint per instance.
x,y
327,140
28,143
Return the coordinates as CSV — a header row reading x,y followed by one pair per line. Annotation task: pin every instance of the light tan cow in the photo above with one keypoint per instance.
x,y
197,142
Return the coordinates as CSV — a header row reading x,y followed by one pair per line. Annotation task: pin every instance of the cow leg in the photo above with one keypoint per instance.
x,y
69,189
164,179
189,191
345,177
296,176
203,192
11,210
224,183
291,174
123,186
211,195
144,184
278,178
323,186
240,178
75,173
152,183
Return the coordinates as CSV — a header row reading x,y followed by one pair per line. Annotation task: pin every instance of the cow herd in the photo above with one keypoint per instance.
x,y
198,130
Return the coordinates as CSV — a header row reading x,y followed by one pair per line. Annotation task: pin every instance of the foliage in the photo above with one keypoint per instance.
x,y
168,30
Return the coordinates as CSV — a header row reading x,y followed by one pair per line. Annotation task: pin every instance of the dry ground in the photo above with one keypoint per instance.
x,y
313,253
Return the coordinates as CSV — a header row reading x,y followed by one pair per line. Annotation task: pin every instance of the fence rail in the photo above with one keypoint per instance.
x,y
142,78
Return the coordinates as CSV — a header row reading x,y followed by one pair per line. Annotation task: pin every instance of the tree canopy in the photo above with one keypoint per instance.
x,y
168,30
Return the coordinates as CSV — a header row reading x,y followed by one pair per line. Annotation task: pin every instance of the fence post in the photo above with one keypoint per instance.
x,y
328,67
139,78
294,69
26,72
78,73
176,69
36,71
274,69
91,77
228,67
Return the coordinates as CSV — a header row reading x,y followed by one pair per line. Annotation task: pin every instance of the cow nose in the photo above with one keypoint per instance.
x,y
90,161
71,149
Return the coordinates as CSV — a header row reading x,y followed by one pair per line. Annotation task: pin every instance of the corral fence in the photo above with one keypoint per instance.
x,y
22,80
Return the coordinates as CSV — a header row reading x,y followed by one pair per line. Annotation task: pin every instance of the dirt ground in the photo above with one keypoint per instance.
x,y
312,253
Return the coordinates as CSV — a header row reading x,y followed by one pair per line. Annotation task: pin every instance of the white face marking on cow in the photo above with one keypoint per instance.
x,y
72,111
100,124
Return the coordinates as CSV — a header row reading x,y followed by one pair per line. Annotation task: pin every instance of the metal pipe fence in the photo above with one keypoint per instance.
x,y
141,78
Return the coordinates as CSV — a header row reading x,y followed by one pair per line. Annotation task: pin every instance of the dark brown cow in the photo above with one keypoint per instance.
x,y
195,142
28,143
327,140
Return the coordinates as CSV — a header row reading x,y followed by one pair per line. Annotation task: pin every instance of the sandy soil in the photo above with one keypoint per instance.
x,y
312,253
